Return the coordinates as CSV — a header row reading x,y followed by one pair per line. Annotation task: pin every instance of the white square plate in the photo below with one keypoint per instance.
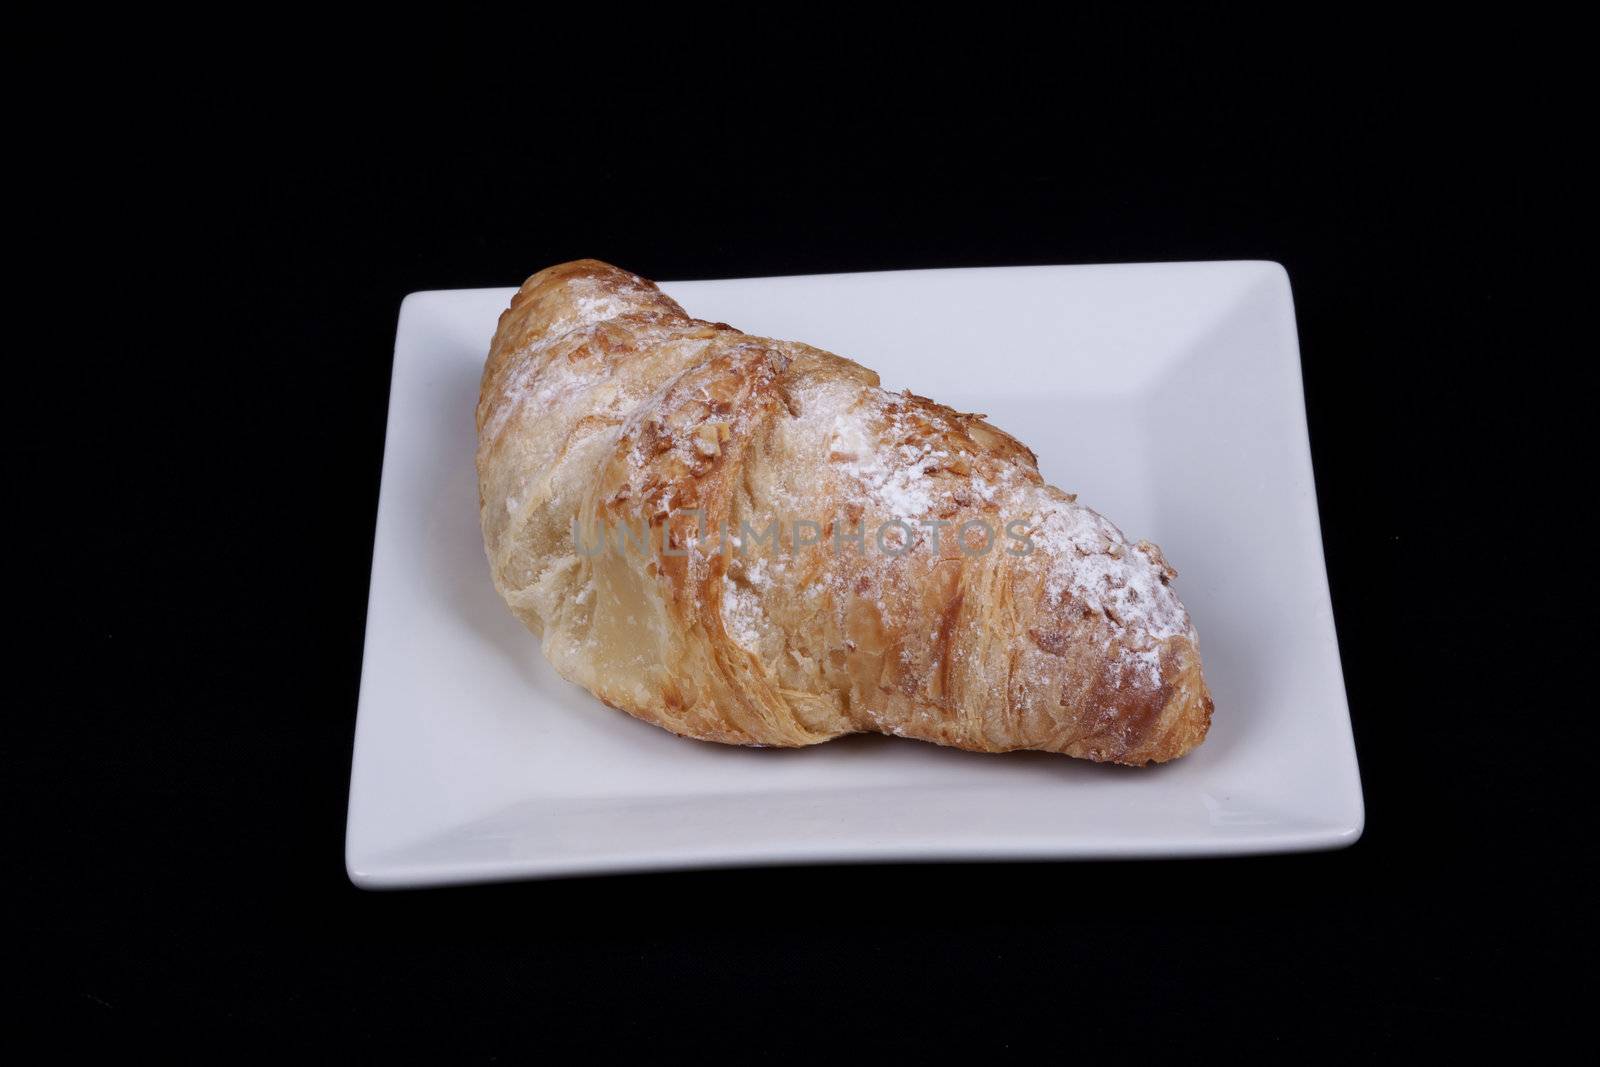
x,y
1166,395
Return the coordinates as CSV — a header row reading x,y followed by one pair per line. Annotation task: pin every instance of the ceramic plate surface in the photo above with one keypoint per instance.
x,y
1167,396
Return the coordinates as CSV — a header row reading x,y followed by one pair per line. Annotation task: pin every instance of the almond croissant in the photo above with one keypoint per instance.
x,y
748,541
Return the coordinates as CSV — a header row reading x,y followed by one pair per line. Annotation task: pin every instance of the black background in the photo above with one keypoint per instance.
x,y
203,434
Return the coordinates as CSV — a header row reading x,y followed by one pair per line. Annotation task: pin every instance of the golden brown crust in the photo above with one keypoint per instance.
x,y
605,407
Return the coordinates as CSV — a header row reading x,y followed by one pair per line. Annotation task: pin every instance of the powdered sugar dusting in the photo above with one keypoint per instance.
x,y
895,478
896,451
546,379
1089,561
742,617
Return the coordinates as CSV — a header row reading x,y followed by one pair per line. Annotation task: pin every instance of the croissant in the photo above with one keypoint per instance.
x,y
748,541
